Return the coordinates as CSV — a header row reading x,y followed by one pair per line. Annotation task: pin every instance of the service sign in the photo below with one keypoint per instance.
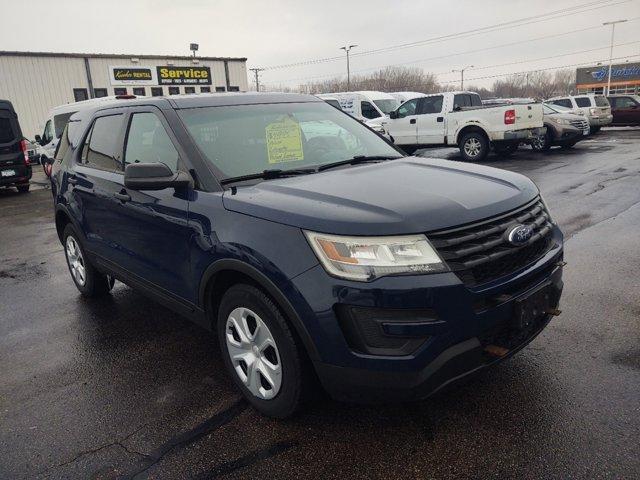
x,y
132,76
171,75
624,73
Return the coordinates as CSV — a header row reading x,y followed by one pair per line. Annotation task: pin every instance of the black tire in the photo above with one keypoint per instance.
x,y
543,144
23,188
568,145
296,377
594,130
95,283
474,142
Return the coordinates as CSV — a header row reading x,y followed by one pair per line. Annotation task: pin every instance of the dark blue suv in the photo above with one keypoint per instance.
x,y
312,246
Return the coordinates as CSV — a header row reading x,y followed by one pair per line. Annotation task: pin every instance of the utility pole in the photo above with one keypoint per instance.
x,y
462,75
347,49
257,71
613,29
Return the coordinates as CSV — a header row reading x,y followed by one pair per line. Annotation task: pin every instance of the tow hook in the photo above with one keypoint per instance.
x,y
561,264
553,311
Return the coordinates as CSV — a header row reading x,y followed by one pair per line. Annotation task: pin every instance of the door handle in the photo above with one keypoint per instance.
x,y
123,197
72,180
412,121
440,119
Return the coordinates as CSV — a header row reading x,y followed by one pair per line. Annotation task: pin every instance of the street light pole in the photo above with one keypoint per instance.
x,y
613,29
347,49
462,75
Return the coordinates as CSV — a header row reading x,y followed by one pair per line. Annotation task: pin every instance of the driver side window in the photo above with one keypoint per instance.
x,y
148,142
408,108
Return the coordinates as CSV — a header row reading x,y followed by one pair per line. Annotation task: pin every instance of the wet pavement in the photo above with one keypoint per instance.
x,y
123,388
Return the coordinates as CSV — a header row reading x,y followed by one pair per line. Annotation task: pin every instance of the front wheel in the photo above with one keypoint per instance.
x,y
474,146
88,280
260,351
541,143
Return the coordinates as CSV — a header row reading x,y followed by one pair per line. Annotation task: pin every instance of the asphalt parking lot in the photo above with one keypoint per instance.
x,y
123,388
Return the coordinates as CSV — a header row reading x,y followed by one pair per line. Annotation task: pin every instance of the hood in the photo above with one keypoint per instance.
x,y
567,116
409,195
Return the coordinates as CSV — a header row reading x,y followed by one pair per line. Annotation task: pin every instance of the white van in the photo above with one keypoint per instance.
x,y
59,117
367,106
406,96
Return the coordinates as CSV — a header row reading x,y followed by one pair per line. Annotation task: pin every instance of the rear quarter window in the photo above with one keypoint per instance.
x,y
583,101
7,133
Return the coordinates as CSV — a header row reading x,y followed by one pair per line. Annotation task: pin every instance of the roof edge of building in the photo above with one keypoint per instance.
x,y
9,53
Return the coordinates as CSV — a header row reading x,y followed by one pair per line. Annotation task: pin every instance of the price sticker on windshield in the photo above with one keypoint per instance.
x,y
284,141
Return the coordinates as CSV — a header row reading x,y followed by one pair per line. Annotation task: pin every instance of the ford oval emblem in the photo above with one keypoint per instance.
x,y
519,234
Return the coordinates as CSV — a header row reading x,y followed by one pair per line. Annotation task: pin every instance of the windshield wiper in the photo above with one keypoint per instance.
x,y
268,175
356,160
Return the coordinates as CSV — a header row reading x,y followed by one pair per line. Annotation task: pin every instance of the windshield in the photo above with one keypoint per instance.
x,y
551,109
247,139
387,105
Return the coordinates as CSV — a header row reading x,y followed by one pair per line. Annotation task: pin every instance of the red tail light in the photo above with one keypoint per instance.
x,y
509,117
23,147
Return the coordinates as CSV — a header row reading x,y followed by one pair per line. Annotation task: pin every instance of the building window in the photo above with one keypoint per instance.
x,y
205,89
234,89
80,94
156,91
221,89
189,89
100,92
174,90
120,91
139,91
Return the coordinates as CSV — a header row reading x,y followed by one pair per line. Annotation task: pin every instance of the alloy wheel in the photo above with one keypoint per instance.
x,y
254,353
76,261
472,147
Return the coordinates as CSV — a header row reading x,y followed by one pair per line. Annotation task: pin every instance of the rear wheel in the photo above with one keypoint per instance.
x,y
474,146
23,188
260,351
88,280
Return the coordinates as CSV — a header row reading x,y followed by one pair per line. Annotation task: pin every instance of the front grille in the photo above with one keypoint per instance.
x,y
580,124
481,253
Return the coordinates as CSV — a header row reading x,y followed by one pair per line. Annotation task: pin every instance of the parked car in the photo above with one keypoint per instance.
x,y
595,107
15,168
625,109
405,96
563,129
367,106
58,118
458,118
332,257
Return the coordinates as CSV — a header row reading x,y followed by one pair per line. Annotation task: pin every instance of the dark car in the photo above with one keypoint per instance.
x,y
307,242
15,168
625,109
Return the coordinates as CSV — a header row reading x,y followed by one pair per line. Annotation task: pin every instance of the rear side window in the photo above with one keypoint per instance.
x,y
583,101
368,110
148,142
601,101
563,102
431,104
461,100
623,102
101,148
7,134
475,100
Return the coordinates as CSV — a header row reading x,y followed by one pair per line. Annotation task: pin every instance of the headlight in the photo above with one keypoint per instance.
x,y
367,258
561,121
593,111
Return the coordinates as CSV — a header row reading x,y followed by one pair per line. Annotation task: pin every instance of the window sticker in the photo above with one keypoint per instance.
x,y
284,141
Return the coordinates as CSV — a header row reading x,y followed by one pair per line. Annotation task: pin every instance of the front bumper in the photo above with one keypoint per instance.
x,y
466,319
566,133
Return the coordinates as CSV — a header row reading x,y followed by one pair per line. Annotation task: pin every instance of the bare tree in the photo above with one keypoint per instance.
x,y
564,81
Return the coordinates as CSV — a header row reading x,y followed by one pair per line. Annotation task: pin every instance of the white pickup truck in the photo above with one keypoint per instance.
x,y
459,118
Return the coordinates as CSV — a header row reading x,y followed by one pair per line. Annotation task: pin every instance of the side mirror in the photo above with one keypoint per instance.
x,y
38,139
393,114
154,176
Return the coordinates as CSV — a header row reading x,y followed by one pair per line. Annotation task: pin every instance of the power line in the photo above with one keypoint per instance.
x,y
439,57
487,29
257,71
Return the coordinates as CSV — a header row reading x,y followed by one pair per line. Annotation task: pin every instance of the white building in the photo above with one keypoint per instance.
x,y
37,81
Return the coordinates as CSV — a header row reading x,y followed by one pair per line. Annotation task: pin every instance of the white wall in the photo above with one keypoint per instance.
x,y
35,84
